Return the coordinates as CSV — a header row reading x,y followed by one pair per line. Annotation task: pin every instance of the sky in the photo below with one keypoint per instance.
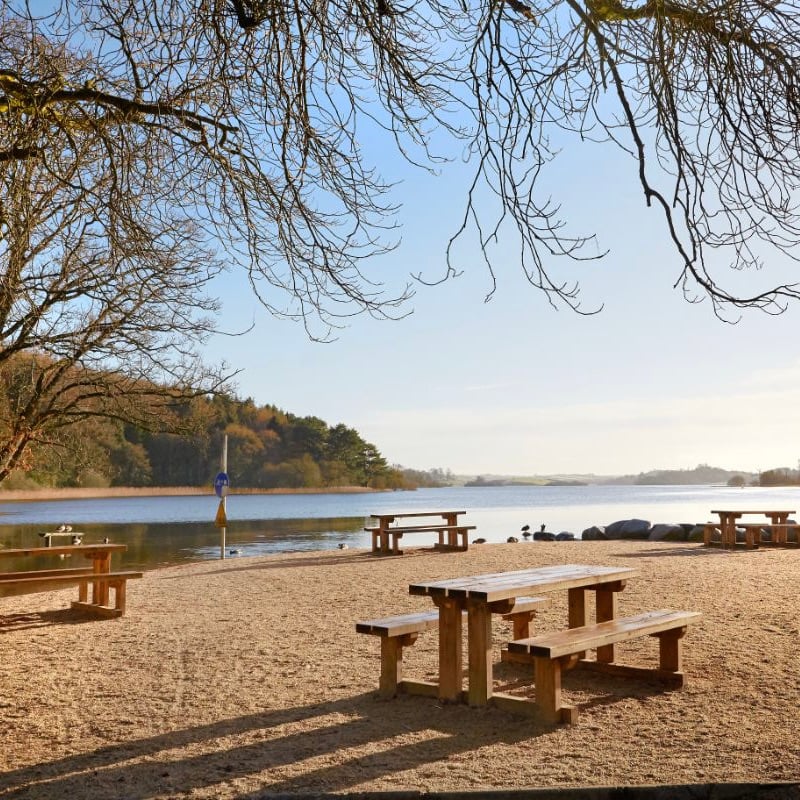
x,y
515,387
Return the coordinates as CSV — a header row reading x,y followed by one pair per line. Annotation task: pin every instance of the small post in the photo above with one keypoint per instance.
x,y
224,466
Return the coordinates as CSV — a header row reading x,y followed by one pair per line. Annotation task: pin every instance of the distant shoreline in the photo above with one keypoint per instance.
x,y
160,491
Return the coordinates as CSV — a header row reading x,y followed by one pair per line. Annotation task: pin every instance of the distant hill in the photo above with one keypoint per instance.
x,y
703,474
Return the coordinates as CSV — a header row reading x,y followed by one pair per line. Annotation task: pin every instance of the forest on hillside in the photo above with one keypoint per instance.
x,y
267,449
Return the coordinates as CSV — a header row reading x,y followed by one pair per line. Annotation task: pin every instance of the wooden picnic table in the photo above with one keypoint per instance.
x,y
482,595
98,573
728,519
449,526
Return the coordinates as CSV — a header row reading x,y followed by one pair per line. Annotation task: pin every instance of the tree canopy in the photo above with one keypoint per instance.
x,y
249,113
268,448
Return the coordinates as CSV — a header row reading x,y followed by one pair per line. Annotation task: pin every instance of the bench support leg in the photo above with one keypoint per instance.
x,y
120,596
670,656
547,675
392,662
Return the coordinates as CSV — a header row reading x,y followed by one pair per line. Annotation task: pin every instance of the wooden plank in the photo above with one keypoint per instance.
x,y
407,514
426,528
767,513
574,640
543,579
22,585
497,584
417,687
674,680
400,625
97,611
43,573
66,549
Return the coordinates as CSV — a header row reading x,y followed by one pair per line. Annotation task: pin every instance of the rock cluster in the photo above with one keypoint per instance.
x,y
643,529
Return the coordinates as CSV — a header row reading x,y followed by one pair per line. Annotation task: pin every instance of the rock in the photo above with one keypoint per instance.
x,y
565,536
594,533
512,540
544,536
667,532
696,534
628,529
479,541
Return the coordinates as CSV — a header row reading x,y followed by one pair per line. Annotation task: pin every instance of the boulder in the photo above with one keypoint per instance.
x,y
565,536
594,533
544,536
628,529
614,530
667,532
696,534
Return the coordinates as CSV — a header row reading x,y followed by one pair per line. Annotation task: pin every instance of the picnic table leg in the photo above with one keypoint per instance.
x,y
451,660
779,535
450,521
479,638
576,610
101,564
606,609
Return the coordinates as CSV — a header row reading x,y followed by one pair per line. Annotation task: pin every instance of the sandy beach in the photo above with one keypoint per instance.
x,y
245,677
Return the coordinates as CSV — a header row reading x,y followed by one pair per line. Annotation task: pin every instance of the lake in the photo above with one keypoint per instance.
x,y
170,530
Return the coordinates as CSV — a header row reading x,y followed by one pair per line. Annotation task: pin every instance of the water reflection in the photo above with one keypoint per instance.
x,y
159,544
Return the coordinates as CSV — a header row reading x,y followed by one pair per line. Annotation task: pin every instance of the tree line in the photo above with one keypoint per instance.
x,y
268,448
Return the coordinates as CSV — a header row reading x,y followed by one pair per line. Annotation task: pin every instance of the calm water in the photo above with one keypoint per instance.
x,y
170,530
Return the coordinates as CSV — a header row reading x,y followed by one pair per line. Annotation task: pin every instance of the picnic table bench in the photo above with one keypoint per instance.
x,y
98,574
554,652
402,631
729,521
449,528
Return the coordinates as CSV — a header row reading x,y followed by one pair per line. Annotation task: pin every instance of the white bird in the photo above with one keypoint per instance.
x,y
61,529
67,528
342,546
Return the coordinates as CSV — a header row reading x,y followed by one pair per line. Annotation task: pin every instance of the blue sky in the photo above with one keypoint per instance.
x,y
513,386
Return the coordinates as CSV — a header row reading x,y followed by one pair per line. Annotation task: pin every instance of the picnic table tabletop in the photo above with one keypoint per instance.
x,y
506,585
65,549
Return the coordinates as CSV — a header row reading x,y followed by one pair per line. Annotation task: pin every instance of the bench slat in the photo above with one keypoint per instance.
x,y
43,573
422,528
590,637
12,587
418,622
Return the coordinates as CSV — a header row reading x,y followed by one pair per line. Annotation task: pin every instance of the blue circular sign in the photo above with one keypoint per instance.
x,y
221,484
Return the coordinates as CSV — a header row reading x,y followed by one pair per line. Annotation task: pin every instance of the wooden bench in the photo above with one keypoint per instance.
x,y
752,534
779,531
554,652
403,630
13,584
453,533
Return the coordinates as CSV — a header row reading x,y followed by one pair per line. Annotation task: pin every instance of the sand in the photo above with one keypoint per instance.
x,y
242,677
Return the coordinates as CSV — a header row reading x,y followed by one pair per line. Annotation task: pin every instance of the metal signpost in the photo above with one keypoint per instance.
x,y
221,484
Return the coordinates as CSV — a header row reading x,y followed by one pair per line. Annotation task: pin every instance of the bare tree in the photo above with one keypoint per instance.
x,y
254,109
102,284
239,125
